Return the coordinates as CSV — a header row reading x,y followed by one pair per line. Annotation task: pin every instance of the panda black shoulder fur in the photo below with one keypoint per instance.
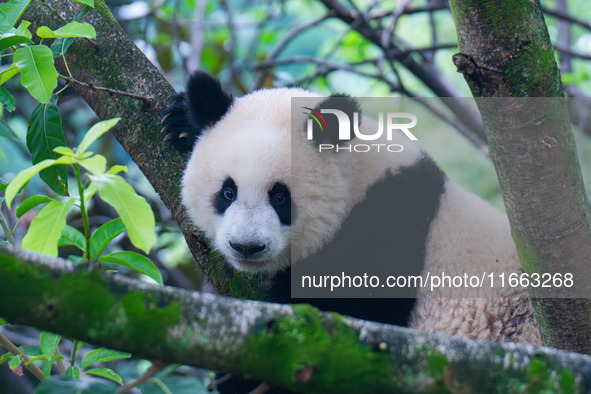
x,y
239,189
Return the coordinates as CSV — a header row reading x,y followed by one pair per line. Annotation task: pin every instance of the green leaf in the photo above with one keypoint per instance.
x,y
44,135
47,368
95,132
31,350
61,45
174,384
89,3
64,385
6,99
89,192
21,179
8,40
71,236
11,12
22,30
38,73
5,131
96,164
72,29
134,261
133,209
46,228
75,259
73,372
48,343
102,355
36,358
10,72
116,169
64,150
104,235
105,373
14,362
30,203
5,357
3,321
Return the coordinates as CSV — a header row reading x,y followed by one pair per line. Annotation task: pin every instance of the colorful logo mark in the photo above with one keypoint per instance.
x,y
315,115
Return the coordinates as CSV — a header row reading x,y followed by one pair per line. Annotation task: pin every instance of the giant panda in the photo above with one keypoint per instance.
x,y
239,189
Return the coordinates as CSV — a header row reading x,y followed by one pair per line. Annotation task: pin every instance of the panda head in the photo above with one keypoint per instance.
x,y
259,209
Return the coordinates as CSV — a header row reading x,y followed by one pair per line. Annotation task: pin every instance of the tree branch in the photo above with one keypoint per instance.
x,y
296,347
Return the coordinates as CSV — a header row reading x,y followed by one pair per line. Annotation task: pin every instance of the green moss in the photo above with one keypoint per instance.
x,y
100,6
142,310
567,382
238,284
87,288
542,379
317,355
530,256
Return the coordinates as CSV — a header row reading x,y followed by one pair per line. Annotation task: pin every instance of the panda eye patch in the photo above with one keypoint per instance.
x,y
225,196
280,200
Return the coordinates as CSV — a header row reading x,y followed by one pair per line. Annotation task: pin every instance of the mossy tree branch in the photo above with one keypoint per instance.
x,y
293,346
505,51
113,61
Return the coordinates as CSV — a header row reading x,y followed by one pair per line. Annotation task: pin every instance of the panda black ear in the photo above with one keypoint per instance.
x,y
328,130
202,105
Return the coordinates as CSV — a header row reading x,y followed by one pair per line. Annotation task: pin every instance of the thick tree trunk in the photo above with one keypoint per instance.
x,y
505,51
115,62
294,346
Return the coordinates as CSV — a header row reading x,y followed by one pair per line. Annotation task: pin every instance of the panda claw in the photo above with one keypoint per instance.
x,y
183,135
164,119
169,136
163,129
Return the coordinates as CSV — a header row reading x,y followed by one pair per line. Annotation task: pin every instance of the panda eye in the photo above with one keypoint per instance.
x,y
229,194
279,199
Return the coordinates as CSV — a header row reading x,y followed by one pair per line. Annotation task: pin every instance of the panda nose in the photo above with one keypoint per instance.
x,y
247,249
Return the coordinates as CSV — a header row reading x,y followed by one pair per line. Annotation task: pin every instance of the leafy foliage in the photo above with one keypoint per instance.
x,y
53,161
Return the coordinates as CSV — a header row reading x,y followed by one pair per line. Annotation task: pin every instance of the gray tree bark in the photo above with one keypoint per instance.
x,y
505,51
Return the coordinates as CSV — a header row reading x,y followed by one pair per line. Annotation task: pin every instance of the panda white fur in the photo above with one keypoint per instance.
x,y
239,188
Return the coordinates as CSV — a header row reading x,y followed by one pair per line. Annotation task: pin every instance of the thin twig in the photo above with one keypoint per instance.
x,y
101,89
74,352
388,32
34,369
281,45
231,42
564,37
197,36
216,382
154,369
566,17
428,8
571,53
5,227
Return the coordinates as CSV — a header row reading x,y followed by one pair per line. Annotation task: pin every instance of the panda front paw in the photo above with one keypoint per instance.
x,y
177,127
